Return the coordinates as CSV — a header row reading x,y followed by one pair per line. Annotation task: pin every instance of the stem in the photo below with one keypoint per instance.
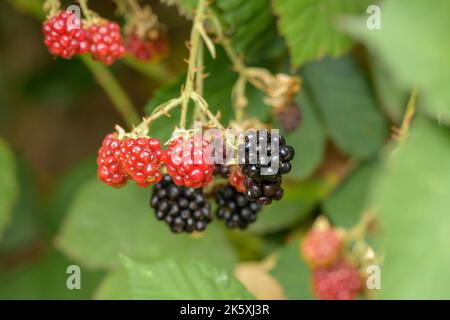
x,y
199,81
192,68
409,114
86,11
114,90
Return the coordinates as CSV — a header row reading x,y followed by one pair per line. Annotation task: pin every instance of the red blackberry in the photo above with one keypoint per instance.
x,y
142,159
148,47
105,42
263,192
235,208
183,209
110,169
236,179
257,159
289,117
64,35
321,248
341,281
186,161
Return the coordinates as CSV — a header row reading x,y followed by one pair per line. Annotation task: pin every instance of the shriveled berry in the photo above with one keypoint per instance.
x,y
289,117
341,281
187,162
235,208
105,42
236,179
110,169
142,159
183,209
321,248
64,35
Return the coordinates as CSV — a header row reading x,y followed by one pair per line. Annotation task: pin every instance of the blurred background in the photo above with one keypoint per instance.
x,y
54,115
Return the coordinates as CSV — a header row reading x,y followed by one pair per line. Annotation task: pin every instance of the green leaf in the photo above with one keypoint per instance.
x,y
292,273
342,94
103,222
45,278
404,30
412,200
252,27
309,140
347,203
115,286
8,184
176,280
296,205
309,27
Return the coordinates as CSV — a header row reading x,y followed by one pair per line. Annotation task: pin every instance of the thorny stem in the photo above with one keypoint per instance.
x,y
409,114
192,67
199,82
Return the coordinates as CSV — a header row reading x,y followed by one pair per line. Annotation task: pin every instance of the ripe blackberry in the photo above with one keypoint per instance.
x,y
236,179
105,42
110,169
289,117
263,192
341,281
235,208
187,163
64,35
256,156
222,170
321,248
142,159
183,209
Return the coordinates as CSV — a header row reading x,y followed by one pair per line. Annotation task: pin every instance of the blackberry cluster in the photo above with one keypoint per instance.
x,y
256,156
183,209
235,208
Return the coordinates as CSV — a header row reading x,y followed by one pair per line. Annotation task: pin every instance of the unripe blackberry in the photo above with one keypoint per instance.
x,y
110,169
64,35
148,47
105,42
263,192
289,117
235,208
321,247
236,179
183,209
257,159
341,281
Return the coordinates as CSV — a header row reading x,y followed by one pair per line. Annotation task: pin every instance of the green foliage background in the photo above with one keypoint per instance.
x,y
356,83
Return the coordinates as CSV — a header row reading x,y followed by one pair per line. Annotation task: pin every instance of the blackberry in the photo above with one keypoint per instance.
x,y
183,209
263,192
289,117
221,170
256,156
235,208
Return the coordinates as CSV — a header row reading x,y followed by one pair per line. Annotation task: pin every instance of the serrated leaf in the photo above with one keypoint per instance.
x,y
403,27
178,280
292,273
103,222
309,27
343,96
8,184
348,202
411,199
297,203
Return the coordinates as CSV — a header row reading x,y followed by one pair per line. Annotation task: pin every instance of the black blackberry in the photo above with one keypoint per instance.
x,y
256,156
183,209
263,192
222,170
289,117
235,208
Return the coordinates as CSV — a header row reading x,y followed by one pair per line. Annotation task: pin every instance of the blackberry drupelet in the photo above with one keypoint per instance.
x,y
183,209
235,208
256,156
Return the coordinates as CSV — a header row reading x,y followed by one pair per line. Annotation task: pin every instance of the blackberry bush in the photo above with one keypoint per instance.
x,y
234,208
183,209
